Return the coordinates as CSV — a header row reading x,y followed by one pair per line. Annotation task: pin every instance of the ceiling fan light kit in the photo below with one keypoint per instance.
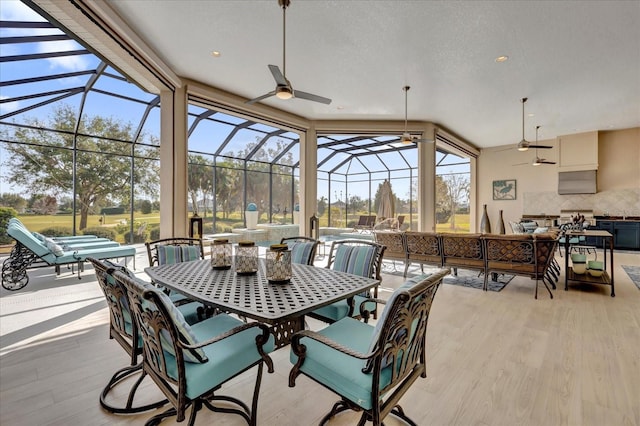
x,y
284,89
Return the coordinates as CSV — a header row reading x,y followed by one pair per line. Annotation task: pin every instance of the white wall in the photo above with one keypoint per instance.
x,y
618,179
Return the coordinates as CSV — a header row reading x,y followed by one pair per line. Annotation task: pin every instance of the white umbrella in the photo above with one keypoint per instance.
x,y
385,208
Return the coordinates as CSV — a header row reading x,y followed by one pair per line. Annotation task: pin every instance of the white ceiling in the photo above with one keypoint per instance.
x,y
578,62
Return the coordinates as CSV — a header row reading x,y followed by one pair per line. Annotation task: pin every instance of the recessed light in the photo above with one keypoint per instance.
x,y
215,54
503,58
531,114
339,107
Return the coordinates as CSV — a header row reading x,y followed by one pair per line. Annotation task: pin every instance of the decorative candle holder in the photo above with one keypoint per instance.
x,y
246,258
221,254
279,264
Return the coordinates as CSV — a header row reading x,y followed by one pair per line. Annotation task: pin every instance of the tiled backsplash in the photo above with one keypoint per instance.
x,y
620,202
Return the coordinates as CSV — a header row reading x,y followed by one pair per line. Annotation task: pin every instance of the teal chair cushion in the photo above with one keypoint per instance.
x,y
226,358
170,254
301,251
338,371
357,260
340,309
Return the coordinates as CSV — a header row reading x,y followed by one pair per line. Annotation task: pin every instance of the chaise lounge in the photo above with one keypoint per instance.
x,y
31,252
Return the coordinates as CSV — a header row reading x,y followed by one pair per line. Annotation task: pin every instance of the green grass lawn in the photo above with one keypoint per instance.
x,y
40,222
462,224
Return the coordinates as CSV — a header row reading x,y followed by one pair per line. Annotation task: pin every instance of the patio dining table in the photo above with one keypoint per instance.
x,y
281,306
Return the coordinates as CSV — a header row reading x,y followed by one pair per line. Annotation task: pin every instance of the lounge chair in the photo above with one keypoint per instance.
x,y
29,253
365,223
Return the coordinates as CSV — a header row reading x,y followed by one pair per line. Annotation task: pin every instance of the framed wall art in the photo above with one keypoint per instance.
x,y
504,189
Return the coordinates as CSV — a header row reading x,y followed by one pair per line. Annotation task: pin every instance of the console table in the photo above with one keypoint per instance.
x,y
606,278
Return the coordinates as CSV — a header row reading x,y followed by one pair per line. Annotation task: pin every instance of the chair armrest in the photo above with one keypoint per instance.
x,y
365,314
300,349
260,340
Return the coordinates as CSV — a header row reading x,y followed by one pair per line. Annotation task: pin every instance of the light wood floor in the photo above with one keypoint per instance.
x,y
493,359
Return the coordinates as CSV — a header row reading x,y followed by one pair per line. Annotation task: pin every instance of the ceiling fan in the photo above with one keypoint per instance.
x,y
407,138
524,145
537,161
284,89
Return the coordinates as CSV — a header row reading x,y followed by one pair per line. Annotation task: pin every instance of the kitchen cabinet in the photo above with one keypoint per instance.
x,y
626,234
578,152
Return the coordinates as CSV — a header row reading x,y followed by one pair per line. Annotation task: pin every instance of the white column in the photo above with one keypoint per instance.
x,y
427,182
308,178
173,163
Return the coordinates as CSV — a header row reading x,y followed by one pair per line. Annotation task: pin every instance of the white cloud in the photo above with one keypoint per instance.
x,y
8,106
15,10
67,63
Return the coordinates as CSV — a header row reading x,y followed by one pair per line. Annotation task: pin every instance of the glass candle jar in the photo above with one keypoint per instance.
x,y
246,258
221,254
279,263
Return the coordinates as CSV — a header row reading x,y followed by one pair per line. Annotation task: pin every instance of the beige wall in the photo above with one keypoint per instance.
x,y
618,179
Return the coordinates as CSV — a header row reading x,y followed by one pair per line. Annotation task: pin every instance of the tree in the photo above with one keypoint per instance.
x,y
14,201
443,202
45,205
457,190
200,181
42,159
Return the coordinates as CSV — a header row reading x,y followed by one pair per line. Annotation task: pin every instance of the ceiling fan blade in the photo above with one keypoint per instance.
x,y
259,98
543,161
311,97
520,164
541,146
422,140
278,76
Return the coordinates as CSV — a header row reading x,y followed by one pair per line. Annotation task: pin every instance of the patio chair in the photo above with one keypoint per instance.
x,y
190,364
358,257
365,223
124,331
303,249
369,367
174,250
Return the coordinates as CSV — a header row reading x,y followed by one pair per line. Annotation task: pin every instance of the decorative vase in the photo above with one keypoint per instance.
x,y
485,225
501,228
251,216
296,214
278,263
246,258
221,254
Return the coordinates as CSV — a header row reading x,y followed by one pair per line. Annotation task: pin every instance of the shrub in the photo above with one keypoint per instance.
x,y
100,232
57,231
6,213
154,232
138,237
112,210
207,228
145,206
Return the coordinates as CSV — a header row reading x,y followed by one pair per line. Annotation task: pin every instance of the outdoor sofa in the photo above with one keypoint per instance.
x,y
520,254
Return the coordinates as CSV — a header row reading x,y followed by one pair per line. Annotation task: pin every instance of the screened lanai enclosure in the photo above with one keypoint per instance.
x,y
80,150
